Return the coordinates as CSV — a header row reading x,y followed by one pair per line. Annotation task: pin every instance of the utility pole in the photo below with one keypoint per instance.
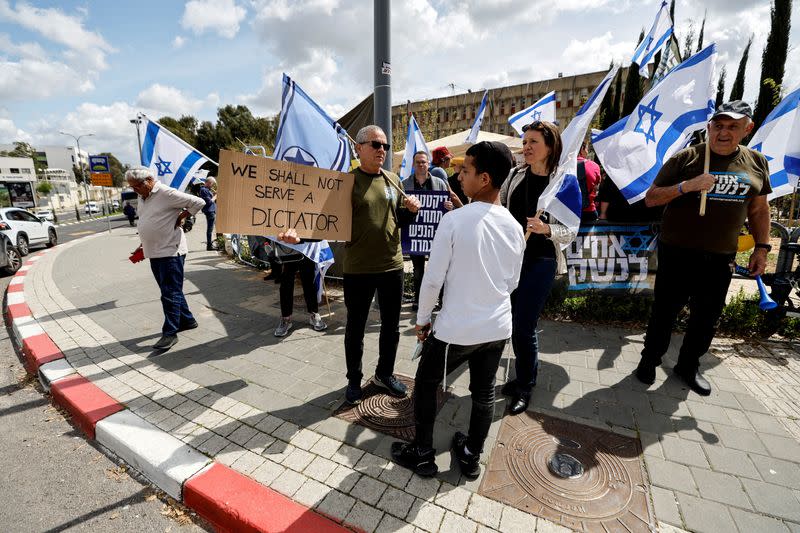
x,y
136,121
78,158
383,72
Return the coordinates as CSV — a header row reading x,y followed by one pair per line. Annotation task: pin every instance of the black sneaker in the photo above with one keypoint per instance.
x,y
414,457
353,394
694,380
470,464
391,384
188,326
166,342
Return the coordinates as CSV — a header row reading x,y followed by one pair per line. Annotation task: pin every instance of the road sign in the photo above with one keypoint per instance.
x,y
102,178
99,163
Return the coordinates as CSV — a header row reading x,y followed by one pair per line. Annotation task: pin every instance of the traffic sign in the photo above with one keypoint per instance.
x,y
99,163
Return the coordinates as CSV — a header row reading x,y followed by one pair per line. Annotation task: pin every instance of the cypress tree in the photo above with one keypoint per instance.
x,y
688,44
702,30
773,61
721,87
605,106
633,86
737,90
615,109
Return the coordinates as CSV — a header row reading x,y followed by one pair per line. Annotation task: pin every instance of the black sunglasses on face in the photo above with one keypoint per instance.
x,y
377,144
536,124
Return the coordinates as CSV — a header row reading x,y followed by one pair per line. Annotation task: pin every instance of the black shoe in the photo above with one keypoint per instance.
x,y
353,394
645,372
166,342
414,457
519,404
391,384
209,248
469,464
694,381
187,327
510,388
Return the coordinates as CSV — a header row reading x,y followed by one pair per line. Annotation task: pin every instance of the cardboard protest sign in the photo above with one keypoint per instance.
x,y
418,236
260,196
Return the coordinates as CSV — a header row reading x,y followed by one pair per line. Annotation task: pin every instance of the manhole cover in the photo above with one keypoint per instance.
x,y
584,478
384,413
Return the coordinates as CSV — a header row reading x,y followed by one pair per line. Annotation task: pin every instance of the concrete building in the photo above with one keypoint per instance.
x,y
17,182
56,157
439,117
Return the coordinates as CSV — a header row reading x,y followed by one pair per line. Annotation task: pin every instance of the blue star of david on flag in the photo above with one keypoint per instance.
x,y
758,148
537,115
649,109
163,167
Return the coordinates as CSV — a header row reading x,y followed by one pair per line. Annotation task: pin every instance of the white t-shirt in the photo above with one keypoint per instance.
x,y
157,216
477,256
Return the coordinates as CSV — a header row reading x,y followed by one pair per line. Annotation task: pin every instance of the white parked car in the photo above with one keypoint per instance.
x,y
115,204
46,214
26,230
91,207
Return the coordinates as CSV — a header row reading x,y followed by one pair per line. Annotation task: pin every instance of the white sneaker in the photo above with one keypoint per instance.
x,y
316,322
284,327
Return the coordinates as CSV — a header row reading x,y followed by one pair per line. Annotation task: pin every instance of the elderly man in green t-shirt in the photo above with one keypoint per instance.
x,y
373,262
696,253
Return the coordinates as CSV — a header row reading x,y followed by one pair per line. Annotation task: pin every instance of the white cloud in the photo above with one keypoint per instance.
x,y
32,78
9,132
595,53
178,42
166,100
220,16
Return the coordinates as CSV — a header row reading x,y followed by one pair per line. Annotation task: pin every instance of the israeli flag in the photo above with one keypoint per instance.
x,y
307,135
562,196
778,139
633,149
319,252
169,158
414,143
655,39
544,109
472,138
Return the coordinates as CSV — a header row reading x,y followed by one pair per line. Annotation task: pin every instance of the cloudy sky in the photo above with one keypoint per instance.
x,y
88,67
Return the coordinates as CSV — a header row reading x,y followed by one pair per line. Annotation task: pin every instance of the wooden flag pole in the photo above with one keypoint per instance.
x,y
537,215
706,164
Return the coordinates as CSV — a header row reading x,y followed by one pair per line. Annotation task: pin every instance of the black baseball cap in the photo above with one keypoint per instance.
x,y
734,109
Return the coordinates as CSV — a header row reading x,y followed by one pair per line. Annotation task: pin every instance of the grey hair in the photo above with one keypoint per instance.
x,y
138,174
212,179
363,133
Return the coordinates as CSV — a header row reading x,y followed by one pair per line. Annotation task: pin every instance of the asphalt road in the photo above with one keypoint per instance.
x,y
53,479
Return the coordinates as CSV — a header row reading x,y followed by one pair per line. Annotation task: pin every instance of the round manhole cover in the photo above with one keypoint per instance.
x,y
565,466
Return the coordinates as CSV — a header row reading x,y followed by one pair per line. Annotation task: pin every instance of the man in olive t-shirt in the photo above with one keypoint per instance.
x,y
696,253
373,262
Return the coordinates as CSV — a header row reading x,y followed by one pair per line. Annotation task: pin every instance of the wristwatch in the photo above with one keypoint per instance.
x,y
765,246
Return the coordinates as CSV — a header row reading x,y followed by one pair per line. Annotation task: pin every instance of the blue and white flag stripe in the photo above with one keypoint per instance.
x,y
659,34
415,142
307,135
172,161
544,109
562,196
472,137
634,149
778,139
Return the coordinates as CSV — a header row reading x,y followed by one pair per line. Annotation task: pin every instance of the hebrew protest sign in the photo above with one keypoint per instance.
x,y
260,196
418,236
618,257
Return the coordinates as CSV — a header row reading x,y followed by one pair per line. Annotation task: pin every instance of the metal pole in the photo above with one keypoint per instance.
x,y
108,210
136,121
383,71
83,174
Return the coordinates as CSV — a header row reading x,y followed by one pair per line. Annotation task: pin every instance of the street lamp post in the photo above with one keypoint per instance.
x,y
136,121
78,158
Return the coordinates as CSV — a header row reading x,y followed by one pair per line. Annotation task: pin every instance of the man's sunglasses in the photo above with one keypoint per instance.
x,y
377,144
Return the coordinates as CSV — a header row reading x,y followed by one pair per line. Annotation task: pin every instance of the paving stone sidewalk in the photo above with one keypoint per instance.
x,y
728,462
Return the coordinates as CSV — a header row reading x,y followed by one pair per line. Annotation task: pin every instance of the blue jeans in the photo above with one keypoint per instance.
x,y
210,218
168,272
527,302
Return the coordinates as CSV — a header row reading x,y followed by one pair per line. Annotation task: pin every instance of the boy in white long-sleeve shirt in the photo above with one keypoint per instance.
x,y
477,255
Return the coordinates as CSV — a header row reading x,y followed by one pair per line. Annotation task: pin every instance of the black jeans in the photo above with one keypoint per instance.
x,y
483,360
684,276
210,218
358,292
306,268
527,302
168,272
418,261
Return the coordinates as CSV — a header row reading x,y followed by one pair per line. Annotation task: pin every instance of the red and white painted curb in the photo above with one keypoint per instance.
x,y
230,501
